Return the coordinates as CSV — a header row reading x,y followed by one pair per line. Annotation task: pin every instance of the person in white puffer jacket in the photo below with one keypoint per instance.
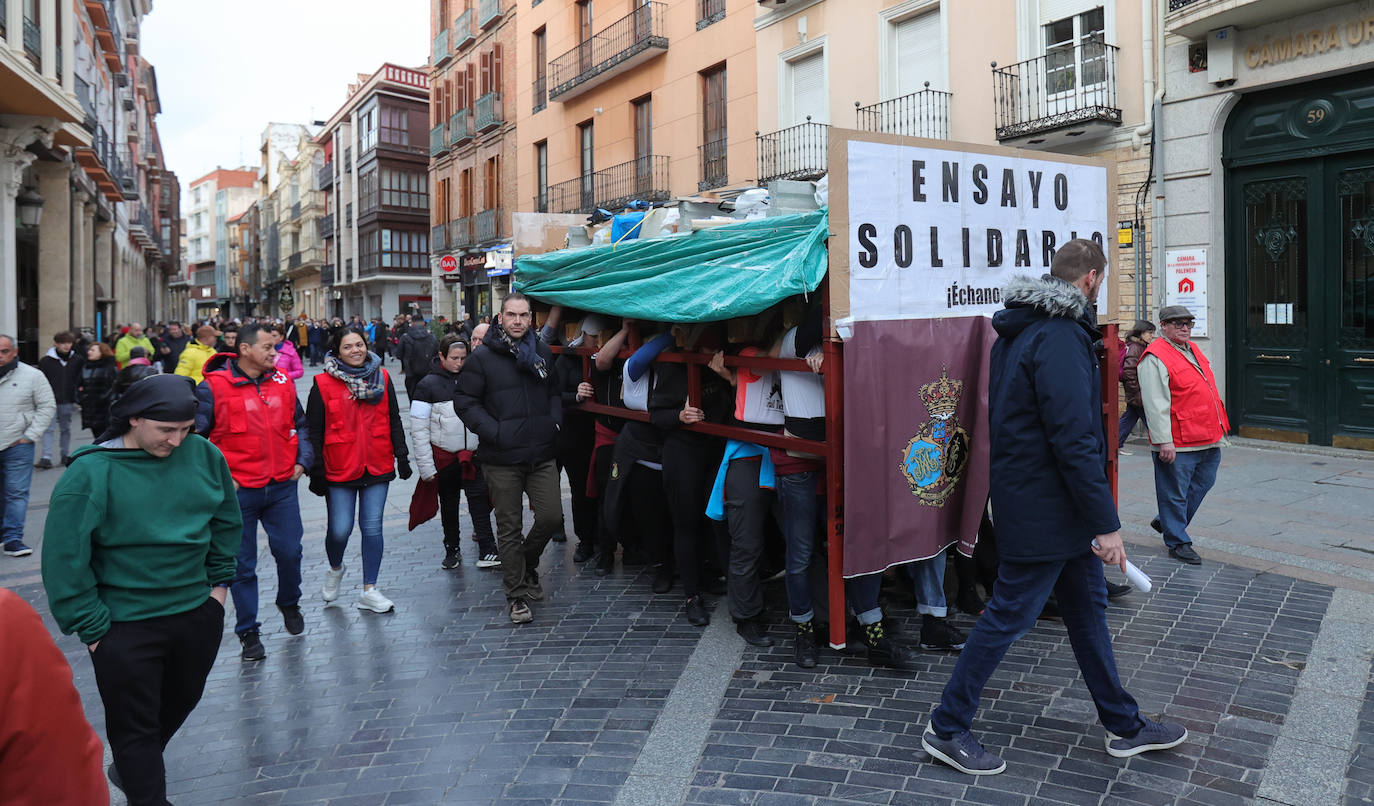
x,y
444,450
27,407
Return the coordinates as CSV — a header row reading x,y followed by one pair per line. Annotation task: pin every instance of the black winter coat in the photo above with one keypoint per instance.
x,y
515,413
63,378
94,391
1050,495
415,348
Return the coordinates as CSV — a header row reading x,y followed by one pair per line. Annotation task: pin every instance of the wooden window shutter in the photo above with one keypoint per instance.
x,y
496,67
484,60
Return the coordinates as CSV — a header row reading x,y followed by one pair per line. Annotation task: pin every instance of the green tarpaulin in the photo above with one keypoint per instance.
x,y
710,275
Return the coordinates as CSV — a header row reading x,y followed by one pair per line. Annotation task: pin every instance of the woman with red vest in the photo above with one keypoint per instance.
x,y
360,447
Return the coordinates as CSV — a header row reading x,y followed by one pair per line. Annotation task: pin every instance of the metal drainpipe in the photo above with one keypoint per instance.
x,y
1158,115
72,225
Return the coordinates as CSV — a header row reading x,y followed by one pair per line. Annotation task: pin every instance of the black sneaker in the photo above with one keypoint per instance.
x,y
1115,591
696,612
963,753
603,565
1184,553
938,633
452,559
663,578
804,649
969,602
585,551
43,464
559,537
112,773
885,652
753,633
1157,526
292,618
16,548
252,646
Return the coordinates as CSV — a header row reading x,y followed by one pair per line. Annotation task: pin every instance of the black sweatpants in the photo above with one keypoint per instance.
x,y
151,674
746,511
575,457
453,486
689,466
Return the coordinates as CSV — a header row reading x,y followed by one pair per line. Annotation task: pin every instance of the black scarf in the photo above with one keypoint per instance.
x,y
526,350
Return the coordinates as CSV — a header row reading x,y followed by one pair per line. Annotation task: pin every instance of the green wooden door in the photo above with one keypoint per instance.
x,y
1348,288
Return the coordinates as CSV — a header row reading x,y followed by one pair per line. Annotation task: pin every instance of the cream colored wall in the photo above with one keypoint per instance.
x,y
672,79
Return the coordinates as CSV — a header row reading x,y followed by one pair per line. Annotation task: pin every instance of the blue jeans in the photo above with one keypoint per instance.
x,y
928,579
800,512
1017,600
278,509
62,423
1129,417
1180,487
368,502
16,470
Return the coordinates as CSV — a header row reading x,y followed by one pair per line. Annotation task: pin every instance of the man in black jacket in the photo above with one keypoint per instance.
x,y
508,395
1055,516
416,348
62,366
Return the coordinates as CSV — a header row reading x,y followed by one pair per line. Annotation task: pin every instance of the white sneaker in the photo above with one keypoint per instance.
x,y
372,599
332,580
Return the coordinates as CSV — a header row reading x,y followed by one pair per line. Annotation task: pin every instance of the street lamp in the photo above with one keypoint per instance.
x,y
30,207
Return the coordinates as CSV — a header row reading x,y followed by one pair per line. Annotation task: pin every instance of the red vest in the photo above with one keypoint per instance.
x,y
357,436
1196,413
255,426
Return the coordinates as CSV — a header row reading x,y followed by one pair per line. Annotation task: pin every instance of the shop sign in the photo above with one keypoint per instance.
x,y
448,263
1290,46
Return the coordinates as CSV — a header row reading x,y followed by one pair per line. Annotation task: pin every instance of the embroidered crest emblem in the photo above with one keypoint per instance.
x,y
934,460
615,470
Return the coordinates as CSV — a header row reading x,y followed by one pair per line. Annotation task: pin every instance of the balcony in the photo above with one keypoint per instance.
x,y
459,127
442,52
460,233
1059,97
488,225
798,152
713,167
293,262
488,12
84,96
487,112
295,211
437,240
622,46
327,275
541,94
123,165
324,176
709,11
920,114
462,31
100,163
327,226
33,43
644,179
106,32
438,141
1194,18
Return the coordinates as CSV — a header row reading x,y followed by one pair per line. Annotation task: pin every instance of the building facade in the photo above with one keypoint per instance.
x,y
1268,180
375,176
291,209
81,172
216,197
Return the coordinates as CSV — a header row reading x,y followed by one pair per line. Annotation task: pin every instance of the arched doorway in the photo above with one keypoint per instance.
x,y
1300,262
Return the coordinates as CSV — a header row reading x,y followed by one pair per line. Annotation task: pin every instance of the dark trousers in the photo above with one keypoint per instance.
x,y
1129,417
277,507
1180,486
412,381
453,486
688,464
653,534
1017,599
746,512
575,457
508,486
151,674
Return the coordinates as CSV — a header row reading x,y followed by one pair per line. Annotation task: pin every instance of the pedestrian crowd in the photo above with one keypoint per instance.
x,y
496,415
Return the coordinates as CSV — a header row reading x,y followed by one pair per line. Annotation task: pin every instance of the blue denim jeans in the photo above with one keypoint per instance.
x,y
1017,600
928,580
368,503
1180,487
61,427
1129,417
278,509
800,512
16,471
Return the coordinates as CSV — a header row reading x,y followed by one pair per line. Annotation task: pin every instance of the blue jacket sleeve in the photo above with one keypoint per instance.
x,y
305,450
645,355
205,409
1066,390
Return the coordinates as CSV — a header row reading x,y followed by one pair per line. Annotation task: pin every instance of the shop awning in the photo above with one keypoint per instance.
x,y
708,276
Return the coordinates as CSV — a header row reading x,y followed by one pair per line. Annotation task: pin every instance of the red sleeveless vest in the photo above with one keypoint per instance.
x,y
1196,413
255,426
357,436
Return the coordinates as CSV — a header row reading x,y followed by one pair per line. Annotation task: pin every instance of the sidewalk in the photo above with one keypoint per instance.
x,y
611,697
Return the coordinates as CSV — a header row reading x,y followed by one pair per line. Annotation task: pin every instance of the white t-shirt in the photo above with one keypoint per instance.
x,y
758,397
635,393
803,393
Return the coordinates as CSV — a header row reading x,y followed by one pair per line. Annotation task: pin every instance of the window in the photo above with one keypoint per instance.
x,y
367,130
403,249
1075,52
396,126
541,174
644,127
541,58
713,133
489,71
586,166
465,193
408,189
491,183
367,191
584,20
295,191
442,201
806,93
917,50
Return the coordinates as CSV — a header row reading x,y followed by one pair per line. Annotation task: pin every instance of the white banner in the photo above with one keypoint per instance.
x,y
937,233
1185,271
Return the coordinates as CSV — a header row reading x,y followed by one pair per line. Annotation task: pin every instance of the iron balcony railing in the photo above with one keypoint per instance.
x,y
1175,5
643,179
1068,87
488,225
327,274
541,94
293,262
460,233
709,11
462,30
460,127
924,113
489,11
327,226
797,152
85,97
541,201
487,112
437,241
126,180
442,52
438,143
33,42
713,167
324,177
610,51
295,211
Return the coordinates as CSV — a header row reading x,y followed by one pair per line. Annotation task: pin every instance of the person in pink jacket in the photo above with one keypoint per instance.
x,y
288,360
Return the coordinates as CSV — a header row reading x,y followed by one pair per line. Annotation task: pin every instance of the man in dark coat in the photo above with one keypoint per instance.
x,y
1053,509
416,349
508,395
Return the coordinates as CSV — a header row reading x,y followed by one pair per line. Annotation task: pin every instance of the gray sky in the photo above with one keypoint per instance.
x,y
226,70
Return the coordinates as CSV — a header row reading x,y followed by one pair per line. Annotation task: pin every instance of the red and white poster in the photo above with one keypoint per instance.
x,y
1185,273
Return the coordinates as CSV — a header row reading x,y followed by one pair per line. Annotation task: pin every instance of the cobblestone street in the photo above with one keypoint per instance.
x,y
610,696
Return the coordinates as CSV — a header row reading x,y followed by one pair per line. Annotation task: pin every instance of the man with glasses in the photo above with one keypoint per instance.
x,y
1188,427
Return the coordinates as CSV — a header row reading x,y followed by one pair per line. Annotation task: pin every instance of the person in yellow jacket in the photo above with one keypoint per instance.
x,y
133,337
196,353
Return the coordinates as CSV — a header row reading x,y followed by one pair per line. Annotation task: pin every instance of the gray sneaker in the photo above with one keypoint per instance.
x,y
963,753
1154,736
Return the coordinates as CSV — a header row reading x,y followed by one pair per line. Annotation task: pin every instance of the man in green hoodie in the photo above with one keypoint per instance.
x,y
143,589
